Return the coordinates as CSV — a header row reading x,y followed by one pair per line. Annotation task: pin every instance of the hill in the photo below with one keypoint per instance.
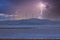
x,y
31,21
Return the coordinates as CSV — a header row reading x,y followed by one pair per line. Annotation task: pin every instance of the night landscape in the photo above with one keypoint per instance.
x,y
30,19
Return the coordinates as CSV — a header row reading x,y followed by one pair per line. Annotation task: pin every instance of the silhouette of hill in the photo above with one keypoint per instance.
x,y
32,21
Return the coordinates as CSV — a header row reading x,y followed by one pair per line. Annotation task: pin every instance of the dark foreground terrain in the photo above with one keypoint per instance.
x,y
35,32
30,29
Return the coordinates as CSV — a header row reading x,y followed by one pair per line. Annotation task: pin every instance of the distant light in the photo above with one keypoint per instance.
x,y
42,6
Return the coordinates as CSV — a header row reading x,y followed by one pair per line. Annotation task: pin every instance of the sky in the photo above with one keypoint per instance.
x,y
22,9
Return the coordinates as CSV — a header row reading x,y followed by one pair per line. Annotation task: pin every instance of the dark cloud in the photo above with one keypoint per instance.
x,y
28,7
55,11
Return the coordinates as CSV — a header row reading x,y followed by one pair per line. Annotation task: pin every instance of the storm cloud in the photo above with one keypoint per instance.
x,y
29,8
